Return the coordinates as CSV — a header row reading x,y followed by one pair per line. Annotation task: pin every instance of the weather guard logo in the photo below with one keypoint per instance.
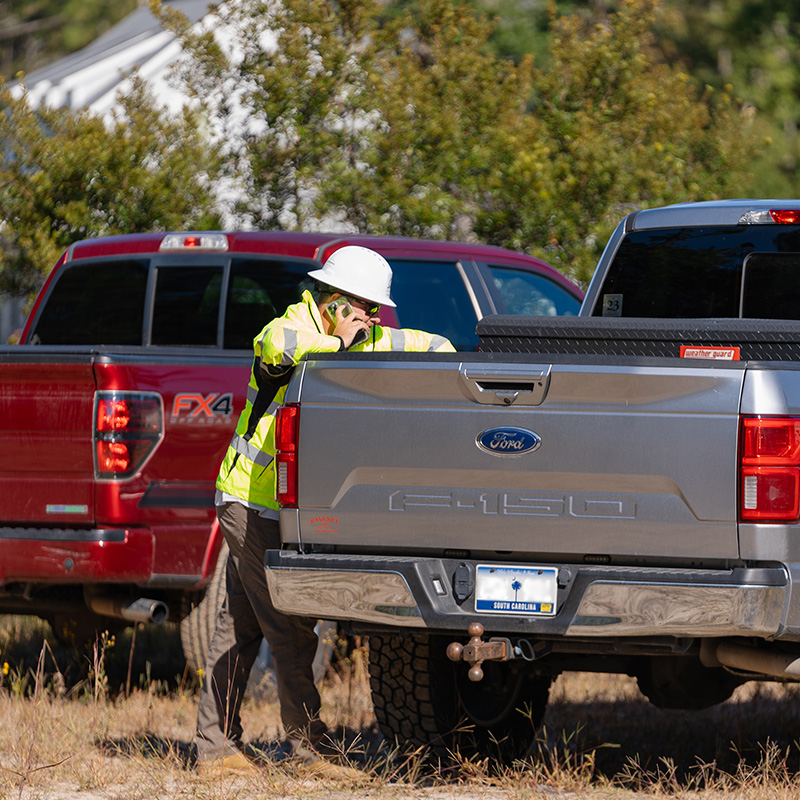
x,y
508,441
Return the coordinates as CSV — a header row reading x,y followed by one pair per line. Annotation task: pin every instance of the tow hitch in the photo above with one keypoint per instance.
x,y
476,651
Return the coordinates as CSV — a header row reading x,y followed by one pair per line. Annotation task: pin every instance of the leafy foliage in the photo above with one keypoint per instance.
x,y
65,175
34,32
414,126
334,114
439,102
610,131
753,45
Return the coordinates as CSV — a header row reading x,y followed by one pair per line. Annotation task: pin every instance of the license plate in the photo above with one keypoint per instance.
x,y
516,590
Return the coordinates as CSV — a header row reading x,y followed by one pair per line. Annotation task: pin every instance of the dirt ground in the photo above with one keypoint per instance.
x,y
128,735
600,740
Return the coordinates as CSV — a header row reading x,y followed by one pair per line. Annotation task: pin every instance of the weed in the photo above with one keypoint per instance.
x,y
123,726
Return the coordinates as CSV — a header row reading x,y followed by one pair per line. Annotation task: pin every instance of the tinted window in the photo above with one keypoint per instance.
x,y
431,296
528,293
771,286
95,304
186,305
696,272
259,291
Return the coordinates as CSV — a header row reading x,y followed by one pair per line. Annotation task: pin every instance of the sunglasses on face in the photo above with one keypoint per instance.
x,y
365,305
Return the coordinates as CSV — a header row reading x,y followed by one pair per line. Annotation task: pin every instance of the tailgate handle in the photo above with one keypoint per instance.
x,y
505,385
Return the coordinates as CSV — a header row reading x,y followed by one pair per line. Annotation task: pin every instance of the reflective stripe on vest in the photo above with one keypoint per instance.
x,y
398,340
250,451
289,347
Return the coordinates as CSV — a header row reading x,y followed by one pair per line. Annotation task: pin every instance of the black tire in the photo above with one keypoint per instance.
x,y
199,618
421,698
199,615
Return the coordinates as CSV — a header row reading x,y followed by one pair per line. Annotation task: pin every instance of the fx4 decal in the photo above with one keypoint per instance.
x,y
193,408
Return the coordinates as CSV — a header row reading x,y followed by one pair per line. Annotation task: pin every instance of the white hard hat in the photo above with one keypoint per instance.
x,y
358,271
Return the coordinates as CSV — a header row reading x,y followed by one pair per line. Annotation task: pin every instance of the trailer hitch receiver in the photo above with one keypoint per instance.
x,y
476,651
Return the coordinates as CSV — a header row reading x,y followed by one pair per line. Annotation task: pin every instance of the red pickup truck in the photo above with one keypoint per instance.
x,y
119,403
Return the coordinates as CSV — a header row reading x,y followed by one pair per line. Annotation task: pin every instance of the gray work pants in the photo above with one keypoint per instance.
x,y
247,615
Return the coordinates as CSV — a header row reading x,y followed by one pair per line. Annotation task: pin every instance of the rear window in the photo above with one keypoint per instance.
x,y
186,305
187,300
90,306
771,286
750,271
104,302
258,292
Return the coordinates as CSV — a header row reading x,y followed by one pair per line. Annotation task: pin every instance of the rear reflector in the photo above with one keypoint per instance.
x,y
769,457
128,427
286,434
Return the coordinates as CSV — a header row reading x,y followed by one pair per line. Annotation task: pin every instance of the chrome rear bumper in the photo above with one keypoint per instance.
x,y
592,601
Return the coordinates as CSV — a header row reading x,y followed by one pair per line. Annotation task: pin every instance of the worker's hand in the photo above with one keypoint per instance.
x,y
347,328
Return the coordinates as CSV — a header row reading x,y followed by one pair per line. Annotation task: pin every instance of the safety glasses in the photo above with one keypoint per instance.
x,y
365,305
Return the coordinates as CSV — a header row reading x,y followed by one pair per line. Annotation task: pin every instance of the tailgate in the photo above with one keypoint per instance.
x,y
46,463
633,459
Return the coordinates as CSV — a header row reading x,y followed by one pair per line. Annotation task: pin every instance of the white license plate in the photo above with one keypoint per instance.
x,y
516,590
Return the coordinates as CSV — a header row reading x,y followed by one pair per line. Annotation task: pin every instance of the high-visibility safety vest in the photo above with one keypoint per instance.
x,y
247,471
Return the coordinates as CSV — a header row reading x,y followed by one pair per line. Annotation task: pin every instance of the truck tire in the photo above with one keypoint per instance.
x,y
199,615
421,698
199,618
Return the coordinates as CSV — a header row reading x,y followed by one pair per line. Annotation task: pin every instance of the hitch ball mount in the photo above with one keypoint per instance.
x,y
476,651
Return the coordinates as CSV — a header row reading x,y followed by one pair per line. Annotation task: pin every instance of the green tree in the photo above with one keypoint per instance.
x,y
441,101
610,130
286,93
36,32
753,45
349,119
66,175
332,115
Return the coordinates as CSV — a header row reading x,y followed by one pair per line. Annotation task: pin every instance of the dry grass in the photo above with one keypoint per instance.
x,y
122,727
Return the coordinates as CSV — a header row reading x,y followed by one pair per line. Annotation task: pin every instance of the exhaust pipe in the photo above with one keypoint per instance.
x,y
141,610
751,659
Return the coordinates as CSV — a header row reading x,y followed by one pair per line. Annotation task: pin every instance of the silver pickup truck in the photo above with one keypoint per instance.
x,y
616,492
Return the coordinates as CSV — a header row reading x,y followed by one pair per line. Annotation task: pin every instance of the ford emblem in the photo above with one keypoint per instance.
x,y
508,441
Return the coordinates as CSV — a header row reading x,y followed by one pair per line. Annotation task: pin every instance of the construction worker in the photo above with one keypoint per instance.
x,y
352,286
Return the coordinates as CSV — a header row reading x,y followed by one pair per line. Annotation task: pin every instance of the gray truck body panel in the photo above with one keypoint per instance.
x,y
386,515
632,493
631,497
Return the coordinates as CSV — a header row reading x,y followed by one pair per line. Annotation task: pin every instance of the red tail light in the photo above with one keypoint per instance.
x,y
127,429
769,451
789,216
286,431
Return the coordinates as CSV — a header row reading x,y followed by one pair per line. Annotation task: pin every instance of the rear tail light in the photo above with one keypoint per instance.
x,y
286,432
128,427
769,457
789,216
194,241
781,216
